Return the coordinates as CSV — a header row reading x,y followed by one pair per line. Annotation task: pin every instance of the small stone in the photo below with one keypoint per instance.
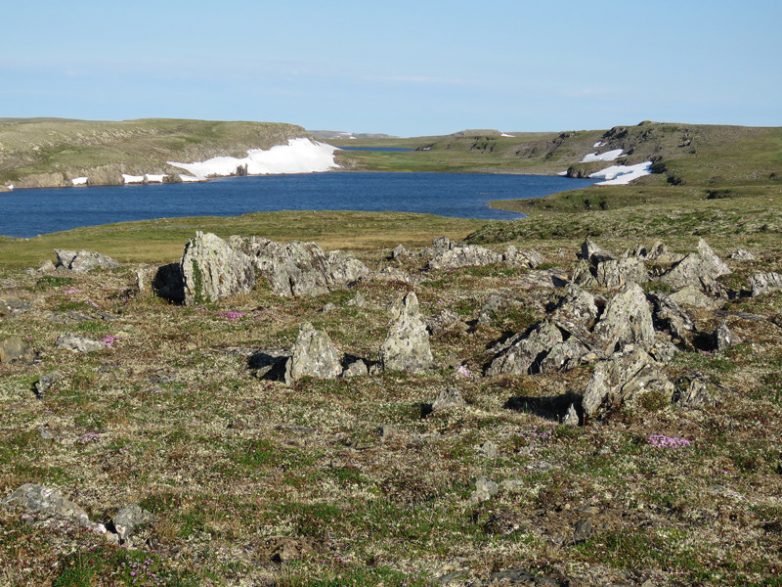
x,y
79,344
45,384
582,531
724,338
127,520
571,418
358,301
742,255
357,368
398,253
448,399
485,489
489,449
329,307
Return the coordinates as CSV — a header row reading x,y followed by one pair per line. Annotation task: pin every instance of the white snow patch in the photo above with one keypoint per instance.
x,y
189,178
154,178
79,181
298,156
507,135
10,187
562,173
133,178
622,174
597,145
607,156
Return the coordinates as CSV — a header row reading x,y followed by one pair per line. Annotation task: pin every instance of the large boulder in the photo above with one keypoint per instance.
x,y
523,353
83,261
627,320
406,347
313,355
623,380
300,269
464,256
45,503
700,269
519,258
763,283
212,270
616,273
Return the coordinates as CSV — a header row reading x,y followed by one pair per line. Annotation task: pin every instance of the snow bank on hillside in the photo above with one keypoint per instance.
x,y
79,181
622,174
298,156
597,145
507,135
607,156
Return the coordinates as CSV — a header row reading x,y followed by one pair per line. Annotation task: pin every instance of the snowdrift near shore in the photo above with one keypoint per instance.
x,y
298,156
622,174
607,156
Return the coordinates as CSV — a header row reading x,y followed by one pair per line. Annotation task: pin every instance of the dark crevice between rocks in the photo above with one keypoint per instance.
x,y
553,407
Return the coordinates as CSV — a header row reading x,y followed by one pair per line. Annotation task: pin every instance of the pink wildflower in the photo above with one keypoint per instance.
x,y
109,340
232,315
663,441
463,371
72,290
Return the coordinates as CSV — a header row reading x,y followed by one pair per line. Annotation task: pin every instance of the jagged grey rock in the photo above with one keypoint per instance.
x,y
763,283
357,368
694,297
616,273
700,269
128,519
313,355
463,256
563,356
627,319
623,379
594,253
669,317
519,258
742,255
448,399
571,417
523,353
576,309
406,347
446,321
44,503
79,344
44,384
300,269
724,337
212,270
83,261
398,252
693,392
583,274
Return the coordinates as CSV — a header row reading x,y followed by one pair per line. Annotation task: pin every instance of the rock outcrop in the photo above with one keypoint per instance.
x,y
763,283
212,270
300,269
616,273
627,320
622,380
701,269
463,256
523,353
82,261
45,503
79,344
313,355
406,347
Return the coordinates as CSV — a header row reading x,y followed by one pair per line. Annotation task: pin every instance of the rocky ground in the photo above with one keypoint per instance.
x,y
272,414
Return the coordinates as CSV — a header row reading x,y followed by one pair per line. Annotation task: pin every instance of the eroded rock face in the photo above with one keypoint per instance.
x,y
516,258
724,337
622,380
314,356
523,353
406,347
83,261
300,269
700,269
576,309
763,283
694,297
669,317
463,256
616,273
45,503
212,270
627,320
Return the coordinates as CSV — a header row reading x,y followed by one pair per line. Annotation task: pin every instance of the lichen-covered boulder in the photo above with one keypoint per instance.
x,y
464,256
45,503
763,283
700,269
616,273
522,353
83,261
622,380
406,347
313,355
212,270
627,319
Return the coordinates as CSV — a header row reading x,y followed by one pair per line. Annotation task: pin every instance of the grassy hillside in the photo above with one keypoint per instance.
x,y
50,152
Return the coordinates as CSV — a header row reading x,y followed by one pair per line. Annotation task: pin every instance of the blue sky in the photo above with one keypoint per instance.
x,y
402,67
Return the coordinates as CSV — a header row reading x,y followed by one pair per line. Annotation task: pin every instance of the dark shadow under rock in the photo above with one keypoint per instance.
x,y
268,365
553,407
169,283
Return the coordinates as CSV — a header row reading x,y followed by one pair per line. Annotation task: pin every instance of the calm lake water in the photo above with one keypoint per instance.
x,y
30,212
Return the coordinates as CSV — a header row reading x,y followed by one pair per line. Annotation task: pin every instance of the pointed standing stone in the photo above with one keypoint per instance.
x,y
406,347
314,356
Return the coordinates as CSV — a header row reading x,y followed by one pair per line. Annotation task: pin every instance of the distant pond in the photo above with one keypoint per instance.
x,y
29,212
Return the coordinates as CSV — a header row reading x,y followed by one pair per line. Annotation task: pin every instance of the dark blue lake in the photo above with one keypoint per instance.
x,y
381,149
30,212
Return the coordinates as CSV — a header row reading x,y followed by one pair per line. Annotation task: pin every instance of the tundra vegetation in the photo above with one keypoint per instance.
x,y
589,396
